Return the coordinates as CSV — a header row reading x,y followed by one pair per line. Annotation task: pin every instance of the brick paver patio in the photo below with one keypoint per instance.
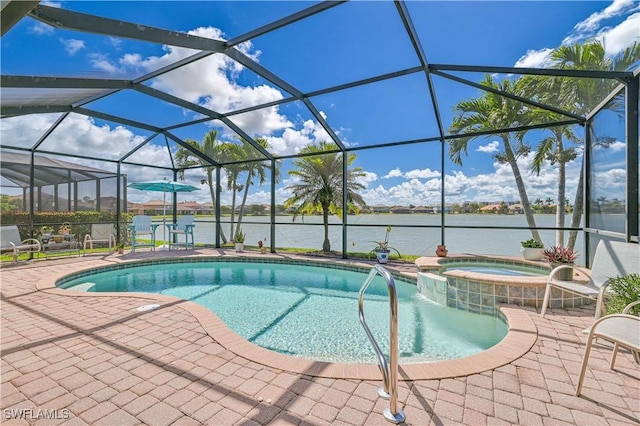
x,y
97,360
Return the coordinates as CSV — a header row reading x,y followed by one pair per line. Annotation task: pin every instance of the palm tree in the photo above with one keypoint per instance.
x,y
489,112
320,189
254,169
551,148
233,153
212,148
583,94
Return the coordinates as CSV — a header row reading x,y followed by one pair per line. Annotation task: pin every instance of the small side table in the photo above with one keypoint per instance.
x,y
61,244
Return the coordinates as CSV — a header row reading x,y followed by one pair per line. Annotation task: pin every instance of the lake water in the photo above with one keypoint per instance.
x,y
361,237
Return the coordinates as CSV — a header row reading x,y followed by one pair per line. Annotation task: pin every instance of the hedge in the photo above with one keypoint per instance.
x,y
80,221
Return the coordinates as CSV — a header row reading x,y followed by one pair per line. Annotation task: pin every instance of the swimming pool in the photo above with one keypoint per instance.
x,y
304,310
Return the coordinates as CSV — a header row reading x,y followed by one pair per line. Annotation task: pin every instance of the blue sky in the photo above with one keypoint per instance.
x,y
349,42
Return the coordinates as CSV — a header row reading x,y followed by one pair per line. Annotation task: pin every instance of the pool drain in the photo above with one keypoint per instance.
x,y
144,308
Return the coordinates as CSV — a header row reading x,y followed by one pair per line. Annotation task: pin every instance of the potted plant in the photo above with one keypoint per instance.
x,y
46,232
120,248
238,239
65,229
532,249
561,256
382,248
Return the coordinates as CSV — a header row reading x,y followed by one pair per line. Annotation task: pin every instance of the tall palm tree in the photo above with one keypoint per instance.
x,y
320,186
254,169
581,95
234,154
212,148
554,150
489,112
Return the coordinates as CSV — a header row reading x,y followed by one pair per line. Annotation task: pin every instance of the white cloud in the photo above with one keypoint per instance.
x,y
618,146
368,178
611,182
595,26
496,185
130,59
212,83
412,174
101,62
535,59
24,131
72,45
590,25
421,174
40,28
292,140
490,148
616,38
393,173
114,41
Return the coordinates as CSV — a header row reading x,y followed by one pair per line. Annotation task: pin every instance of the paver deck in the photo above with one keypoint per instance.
x,y
97,360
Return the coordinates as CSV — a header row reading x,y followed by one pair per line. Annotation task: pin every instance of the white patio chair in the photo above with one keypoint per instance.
x,y
10,242
612,259
621,330
100,233
142,226
183,226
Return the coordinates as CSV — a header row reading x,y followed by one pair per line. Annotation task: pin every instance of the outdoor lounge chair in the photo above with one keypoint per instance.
x,y
142,226
184,226
100,233
612,259
11,242
619,329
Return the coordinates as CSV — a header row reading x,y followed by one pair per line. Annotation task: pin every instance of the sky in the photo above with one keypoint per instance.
x,y
357,40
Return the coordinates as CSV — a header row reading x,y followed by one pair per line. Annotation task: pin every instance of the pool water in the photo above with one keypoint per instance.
x,y
308,311
497,269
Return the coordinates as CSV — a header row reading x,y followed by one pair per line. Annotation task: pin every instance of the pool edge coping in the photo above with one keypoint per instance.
x,y
521,335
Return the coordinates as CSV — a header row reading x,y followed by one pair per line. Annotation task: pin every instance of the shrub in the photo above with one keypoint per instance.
x,y
557,254
624,290
80,221
531,243
239,236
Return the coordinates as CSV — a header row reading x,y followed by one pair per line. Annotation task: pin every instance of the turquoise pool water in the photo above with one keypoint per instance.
x,y
495,268
308,311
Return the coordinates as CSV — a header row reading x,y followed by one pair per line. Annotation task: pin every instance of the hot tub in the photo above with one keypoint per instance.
x,y
482,283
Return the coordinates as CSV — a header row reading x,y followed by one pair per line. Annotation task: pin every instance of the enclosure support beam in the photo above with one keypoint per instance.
x,y
217,207
632,117
345,207
586,188
272,231
118,202
13,11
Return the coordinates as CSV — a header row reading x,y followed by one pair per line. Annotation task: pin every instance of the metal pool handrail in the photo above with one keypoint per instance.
x,y
389,370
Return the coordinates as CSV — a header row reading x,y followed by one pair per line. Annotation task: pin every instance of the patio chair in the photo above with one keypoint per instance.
x,y
142,226
11,243
100,233
612,258
184,226
621,330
